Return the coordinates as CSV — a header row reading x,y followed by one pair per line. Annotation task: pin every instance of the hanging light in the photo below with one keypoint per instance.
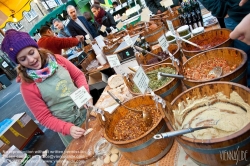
x,y
14,18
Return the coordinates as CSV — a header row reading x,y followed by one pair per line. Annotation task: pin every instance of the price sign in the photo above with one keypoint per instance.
x,y
163,43
146,10
128,40
141,80
124,17
170,26
167,3
119,25
80,97
145,17
113,60
103,28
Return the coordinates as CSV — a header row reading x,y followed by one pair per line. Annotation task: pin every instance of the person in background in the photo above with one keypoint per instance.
x,y
155,6
47,81
88,17
114,4
103,18
232,13
63,31
55,44
78,25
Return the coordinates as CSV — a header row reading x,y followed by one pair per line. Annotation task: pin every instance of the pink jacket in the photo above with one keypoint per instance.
x,y
37,106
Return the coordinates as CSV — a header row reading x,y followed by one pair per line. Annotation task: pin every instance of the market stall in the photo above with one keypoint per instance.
x,y
131,130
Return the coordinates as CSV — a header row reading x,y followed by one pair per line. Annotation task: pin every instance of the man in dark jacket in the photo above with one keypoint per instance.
x,y
78,25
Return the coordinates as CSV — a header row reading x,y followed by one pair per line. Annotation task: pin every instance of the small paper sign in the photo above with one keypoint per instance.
x,y
145,17
87,36
103,28
167,3
141,80
162,3
113,60
88,41
119,25
170,26
163,43
80,97
128,40
124,17
146,10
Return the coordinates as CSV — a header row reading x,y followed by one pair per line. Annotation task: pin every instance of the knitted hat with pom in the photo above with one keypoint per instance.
x,y
14,41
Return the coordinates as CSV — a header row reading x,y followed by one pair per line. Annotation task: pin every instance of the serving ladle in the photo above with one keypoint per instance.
x,y
147,118
216,71
189,42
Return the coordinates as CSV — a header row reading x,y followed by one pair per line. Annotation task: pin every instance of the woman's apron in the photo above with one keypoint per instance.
x,y
56,91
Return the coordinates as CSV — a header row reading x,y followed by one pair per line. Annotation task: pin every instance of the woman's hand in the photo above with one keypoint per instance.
x,y
242,31
76,132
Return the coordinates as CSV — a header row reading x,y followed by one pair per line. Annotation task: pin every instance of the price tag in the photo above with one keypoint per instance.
x,y
162,3
163,43
145,17
167,3
87,36
124,17
80,97
146,10
170,26
128,40
119,25
141,80
88,41
103,28
113,60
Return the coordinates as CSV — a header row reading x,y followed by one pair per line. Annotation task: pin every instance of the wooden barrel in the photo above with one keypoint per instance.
x,y
218,151
174,18
111,49
168,92
152,36
233,56
173,48
144,149
205,39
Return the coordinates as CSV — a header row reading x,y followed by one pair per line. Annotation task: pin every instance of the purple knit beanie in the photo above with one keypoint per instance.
x,y
14,41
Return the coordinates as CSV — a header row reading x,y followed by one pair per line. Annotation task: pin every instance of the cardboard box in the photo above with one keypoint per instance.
x,y
20,131
98,80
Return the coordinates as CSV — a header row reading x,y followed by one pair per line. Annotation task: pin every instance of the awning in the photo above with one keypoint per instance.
x,y
13,9
46,20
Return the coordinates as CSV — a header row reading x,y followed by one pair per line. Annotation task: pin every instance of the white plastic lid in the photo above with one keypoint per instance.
x,y
197,30
169,33
183,28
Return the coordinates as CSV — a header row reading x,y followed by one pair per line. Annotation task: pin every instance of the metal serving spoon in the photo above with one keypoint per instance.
x,y
216,71
147,118
179,132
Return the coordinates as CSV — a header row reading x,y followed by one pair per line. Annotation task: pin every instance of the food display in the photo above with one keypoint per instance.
x,y
154,60
154,82
226,115
205,45
133,126
200,72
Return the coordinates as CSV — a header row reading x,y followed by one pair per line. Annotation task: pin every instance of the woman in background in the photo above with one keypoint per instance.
x,y
102,18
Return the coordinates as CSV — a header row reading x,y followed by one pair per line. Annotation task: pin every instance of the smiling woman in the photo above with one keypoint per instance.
x,y
44,78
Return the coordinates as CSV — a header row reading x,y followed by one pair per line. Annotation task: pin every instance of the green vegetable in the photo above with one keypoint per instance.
x,y
154,83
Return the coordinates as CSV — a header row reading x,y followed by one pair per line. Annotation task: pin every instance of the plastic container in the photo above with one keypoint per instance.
x,y
183,30
170,39
102,147
198,31
188,36
36,161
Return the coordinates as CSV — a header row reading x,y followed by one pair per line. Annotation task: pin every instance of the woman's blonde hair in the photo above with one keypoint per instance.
x,y
21,70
